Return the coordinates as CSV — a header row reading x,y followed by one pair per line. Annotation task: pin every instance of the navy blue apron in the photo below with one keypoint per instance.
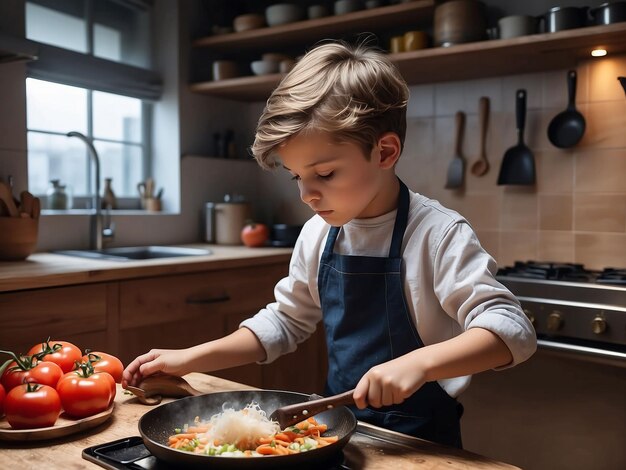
x,y
367,323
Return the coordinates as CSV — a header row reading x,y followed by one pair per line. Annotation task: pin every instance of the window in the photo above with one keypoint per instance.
x,y
92,77
114,122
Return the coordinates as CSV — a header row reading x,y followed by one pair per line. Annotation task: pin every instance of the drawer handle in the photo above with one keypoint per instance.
x,y
208,300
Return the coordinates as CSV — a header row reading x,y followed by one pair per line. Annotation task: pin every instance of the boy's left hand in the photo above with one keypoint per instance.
x,y
389,383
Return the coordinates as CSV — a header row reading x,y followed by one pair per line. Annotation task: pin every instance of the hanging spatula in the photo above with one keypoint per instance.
x,y
456,170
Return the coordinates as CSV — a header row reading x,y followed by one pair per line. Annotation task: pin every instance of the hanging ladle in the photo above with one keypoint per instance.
x,y
481,166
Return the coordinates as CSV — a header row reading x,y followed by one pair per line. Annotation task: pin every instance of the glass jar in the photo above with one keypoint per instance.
x,y
57,198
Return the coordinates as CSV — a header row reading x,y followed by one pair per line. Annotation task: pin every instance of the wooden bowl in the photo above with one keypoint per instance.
x,y
248,22
18,237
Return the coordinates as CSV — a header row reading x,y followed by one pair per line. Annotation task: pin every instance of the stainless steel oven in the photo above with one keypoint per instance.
x,y
574,310
566,406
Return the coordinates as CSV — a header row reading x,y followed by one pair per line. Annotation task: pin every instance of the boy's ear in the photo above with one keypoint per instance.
x,y
389,147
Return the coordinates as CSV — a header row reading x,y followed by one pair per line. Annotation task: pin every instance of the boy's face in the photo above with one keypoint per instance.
x,y
336,180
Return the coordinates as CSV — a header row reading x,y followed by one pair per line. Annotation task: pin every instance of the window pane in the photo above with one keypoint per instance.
x,y
122,163
116,117
55,108
122,32
64,26
56,157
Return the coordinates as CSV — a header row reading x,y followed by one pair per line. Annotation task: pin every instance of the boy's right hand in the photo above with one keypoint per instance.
x,y
167,361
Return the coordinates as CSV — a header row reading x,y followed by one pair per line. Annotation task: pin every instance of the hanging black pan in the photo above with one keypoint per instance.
x,y
159,423
567,128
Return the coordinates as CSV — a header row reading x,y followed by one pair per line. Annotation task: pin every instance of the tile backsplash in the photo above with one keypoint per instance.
x,y
577,210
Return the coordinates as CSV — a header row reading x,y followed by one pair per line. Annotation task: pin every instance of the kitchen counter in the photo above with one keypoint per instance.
x,y
50,269
66,452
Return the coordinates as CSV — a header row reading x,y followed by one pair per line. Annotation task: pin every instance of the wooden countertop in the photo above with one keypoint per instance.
x,y
66,452
49,269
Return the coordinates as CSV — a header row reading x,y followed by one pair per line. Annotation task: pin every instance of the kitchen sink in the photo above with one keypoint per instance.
x,y
133,253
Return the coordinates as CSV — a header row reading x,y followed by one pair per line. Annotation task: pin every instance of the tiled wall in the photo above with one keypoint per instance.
x,y
577,210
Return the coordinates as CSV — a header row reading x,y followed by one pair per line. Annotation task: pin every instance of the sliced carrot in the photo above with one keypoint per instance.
x,y
266,450
199,429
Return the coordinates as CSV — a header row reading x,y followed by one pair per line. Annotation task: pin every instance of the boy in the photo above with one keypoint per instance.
x,y
407,295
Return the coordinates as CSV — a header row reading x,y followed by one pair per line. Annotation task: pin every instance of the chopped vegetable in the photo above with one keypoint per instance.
x,y
249,433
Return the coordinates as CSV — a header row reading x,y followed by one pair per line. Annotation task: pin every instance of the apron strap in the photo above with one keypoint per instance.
x,y
402,216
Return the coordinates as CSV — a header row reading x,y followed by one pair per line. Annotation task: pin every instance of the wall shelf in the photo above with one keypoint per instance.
x,y
481,59
309,31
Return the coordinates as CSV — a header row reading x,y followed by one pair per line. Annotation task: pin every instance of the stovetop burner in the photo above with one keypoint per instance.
x,y
569,272
131,454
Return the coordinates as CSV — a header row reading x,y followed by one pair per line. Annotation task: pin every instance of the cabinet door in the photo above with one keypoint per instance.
x,y
303,370
184,310
77,314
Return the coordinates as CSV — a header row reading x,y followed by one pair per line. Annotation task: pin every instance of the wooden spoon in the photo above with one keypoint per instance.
x,y
292,414
36,208
26,203
152,389
481,166
7,198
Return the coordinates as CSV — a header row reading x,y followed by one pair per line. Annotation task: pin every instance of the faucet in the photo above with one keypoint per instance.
x,y
97,234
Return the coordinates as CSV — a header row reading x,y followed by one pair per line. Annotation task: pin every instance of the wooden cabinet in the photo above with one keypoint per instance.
x,y
84,315
303,370
129,317
183,310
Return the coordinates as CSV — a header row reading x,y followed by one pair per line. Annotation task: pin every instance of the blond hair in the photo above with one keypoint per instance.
x,y
354,93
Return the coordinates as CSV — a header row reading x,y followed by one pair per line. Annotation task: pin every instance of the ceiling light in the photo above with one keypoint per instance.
x,y
598,52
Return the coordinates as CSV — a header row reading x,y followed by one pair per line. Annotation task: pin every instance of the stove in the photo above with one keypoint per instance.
x,y
380,447
573,309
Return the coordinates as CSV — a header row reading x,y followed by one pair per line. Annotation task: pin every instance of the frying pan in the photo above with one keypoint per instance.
x,y
159,423
567,128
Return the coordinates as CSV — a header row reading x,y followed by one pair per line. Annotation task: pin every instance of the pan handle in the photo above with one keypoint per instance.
x,y
571,90
520,114
292,414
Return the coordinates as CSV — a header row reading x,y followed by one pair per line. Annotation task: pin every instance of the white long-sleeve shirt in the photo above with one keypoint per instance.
x,y
449,283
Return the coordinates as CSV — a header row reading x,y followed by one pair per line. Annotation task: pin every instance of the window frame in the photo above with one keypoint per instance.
x,y
84,70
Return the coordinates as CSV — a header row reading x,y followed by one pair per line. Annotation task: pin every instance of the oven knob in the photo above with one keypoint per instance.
x,y
598,325
555,321
530,316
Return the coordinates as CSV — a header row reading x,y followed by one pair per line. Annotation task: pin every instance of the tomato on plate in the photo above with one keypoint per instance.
x,y
85,392
32,406
104,362
60,352
2,395
29,369
254,234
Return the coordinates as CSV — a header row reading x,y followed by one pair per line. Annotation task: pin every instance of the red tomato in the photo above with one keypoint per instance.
x,y
60,352
27,369
32,406
255,235
2,395
103,362
84,392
